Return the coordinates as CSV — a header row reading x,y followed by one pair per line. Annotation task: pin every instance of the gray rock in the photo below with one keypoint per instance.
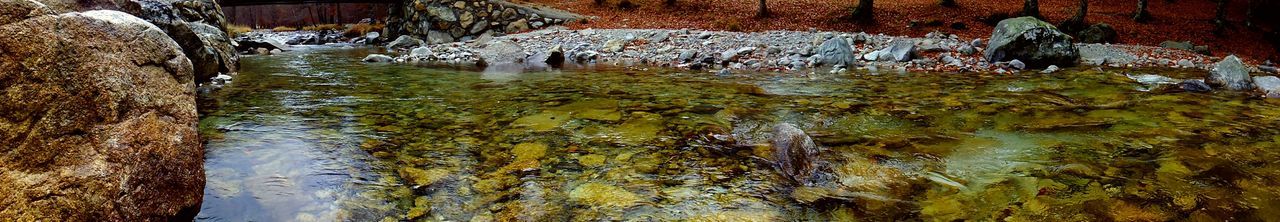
x,y
614,45
404,41
502,52
734,54
585,56
1034,42
794,153
1194,85
438,37
704,35
898,51
660,36
1269,86
724,72
871,56
1267,68
1017,64
420,52
837,52
442,13
967,50
1185,45
372,36
377,58
1152,79
977,43
1231,74
1050,69
1185,63
687,56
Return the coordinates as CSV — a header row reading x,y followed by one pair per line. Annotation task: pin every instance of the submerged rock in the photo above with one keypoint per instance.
x,y
603,195
1152,79
1195,85
1034,42
100,119
794,153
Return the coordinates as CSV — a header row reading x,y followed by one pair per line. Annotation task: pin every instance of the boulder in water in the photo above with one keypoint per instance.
x,y
1194,85
99,119
1034,42
377,58
1269,86
794,153
1230,73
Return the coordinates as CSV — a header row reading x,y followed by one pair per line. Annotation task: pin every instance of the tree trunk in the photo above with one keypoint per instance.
x,y
1031,8
864,11
947,3
599,2
1220,20
669,2
1077,22
763,11
1141,15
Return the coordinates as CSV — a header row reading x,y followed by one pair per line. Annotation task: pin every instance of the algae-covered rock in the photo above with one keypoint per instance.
x,y
603,195
593,109
641,127
529,151
422,177
592,160
1034,42
794,153
543,121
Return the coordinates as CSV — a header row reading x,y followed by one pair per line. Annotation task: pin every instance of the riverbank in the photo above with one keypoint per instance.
x,y
789,51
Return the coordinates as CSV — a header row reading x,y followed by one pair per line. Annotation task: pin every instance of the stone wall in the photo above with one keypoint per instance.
x,y
298,15
441,21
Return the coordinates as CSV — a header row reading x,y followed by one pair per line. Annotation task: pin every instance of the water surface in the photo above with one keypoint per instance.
x,y
316,135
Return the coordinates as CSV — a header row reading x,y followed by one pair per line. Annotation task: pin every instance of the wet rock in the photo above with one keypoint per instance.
x,y
1050,69
421,52
603,195
502,52
555,56
837,52
1034,42
1151,79
529,151
586,56
794,153
377,58
1269,86
372,36
543,121
724,73
1098,33
1194,85
420,177
100,119
1017,64
261,43
405,41
1230,73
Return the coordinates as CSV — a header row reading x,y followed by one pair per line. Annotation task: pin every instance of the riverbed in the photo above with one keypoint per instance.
x,y
316,135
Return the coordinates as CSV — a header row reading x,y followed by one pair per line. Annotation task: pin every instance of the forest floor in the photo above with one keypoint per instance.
x,y
1180,20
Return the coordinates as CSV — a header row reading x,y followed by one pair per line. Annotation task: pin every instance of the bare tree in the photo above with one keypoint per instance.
x,y
763,11
1220,20
1141,15
864,11
1077,22
1031,8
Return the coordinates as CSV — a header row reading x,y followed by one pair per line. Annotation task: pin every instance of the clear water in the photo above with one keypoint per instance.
x,y
316,135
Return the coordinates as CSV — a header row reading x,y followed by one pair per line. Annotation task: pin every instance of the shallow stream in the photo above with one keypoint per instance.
x,y
316,135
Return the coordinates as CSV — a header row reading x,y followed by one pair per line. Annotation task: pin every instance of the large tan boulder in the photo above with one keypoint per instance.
x,y
97,119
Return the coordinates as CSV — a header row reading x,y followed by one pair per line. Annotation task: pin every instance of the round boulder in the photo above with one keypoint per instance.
x,y
1034,42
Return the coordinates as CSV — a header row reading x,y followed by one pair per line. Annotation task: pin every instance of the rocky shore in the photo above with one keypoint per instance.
x,y
725,53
